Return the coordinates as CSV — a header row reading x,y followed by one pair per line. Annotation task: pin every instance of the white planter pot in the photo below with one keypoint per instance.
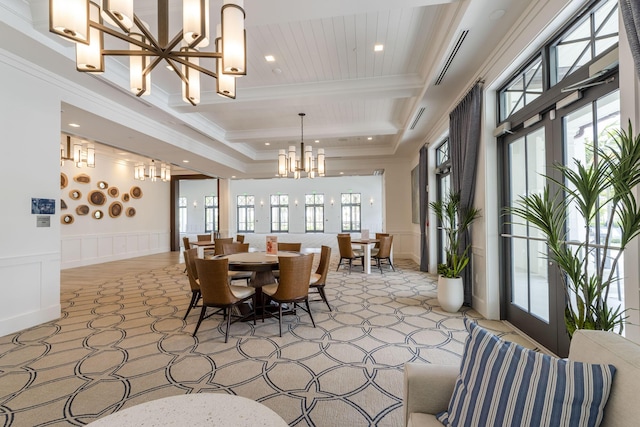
x,y
450,293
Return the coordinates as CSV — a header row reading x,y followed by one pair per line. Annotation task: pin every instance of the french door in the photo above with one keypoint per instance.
x,y
534,297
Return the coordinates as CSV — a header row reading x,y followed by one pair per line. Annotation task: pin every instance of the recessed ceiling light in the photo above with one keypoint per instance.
x,y
317,140
185,161
341,173
74,125
369,138
233,176
378,48
267,143
270,58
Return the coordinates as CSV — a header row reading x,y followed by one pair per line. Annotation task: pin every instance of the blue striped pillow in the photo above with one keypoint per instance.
x,y
505,384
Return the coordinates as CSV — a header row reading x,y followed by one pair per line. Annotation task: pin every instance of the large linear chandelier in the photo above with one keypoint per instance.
x,y
287,162
82,21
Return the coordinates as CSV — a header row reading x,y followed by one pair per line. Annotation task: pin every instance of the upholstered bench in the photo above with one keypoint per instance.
x,y
428,388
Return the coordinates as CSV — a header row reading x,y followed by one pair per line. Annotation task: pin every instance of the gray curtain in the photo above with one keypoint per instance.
x,y
464,139
630,10
424,198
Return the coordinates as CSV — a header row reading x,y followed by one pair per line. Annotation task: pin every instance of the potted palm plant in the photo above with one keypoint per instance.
x,y
602,187
454,222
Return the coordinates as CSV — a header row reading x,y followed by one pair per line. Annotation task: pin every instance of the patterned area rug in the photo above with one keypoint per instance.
x,y
123,342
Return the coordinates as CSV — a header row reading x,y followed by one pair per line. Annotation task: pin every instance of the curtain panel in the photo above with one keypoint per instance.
x,y
630,10
424,208
464,141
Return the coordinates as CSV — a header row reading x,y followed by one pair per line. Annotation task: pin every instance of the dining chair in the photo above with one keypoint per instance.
x,y
218,244
293,287
217,292
384,253
204,237
319,278
187,246
236,248
347,253
293,247
376,248
186,243
240,238
190,256
284,246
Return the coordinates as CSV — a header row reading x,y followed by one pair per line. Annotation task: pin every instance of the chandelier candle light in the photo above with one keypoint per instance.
x,y
82,21
287,163
140,172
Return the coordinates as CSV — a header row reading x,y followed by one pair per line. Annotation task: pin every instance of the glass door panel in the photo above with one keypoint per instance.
x,y
529,283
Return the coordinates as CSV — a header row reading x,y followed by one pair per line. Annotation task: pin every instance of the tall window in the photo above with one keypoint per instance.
x,y
314,213
182,214
443,180
279,213
246,214
350,212
211,222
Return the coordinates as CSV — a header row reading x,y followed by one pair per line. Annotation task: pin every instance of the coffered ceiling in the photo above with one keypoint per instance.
x,y
364,108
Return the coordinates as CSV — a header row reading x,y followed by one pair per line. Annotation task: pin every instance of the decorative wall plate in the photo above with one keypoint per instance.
x,y
125,197
66,219
131,212
97,198
113,191
63,204
135,192
115,209
97,214
75,194
63,180
82,178
82,210
103,185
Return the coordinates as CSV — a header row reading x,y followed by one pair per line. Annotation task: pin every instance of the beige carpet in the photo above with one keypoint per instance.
x,y
123,342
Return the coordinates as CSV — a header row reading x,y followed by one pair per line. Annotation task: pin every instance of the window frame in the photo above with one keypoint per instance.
x,y
279,209
352,207
317,226
249,210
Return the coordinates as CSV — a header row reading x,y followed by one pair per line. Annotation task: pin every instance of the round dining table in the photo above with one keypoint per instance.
x,y
201,409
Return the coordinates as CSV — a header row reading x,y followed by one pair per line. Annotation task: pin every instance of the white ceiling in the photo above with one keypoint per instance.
x,y
325,67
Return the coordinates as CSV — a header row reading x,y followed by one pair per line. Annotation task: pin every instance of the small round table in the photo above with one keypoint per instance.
x,y
202,409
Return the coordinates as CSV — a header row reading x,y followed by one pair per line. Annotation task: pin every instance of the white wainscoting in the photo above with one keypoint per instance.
x,y
30,291
78,251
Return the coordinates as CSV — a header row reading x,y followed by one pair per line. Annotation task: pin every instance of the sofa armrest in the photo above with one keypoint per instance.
x,y
428,387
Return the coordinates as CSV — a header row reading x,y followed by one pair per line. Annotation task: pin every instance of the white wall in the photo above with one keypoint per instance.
x,y
195,190
29,256
372,206
89,241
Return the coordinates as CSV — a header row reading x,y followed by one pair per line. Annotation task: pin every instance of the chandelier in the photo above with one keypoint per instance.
x,y
163,173
82,21
80,153
287,162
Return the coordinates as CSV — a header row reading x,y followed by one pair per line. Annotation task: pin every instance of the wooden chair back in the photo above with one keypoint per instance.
x,y
378,237
295,273
293,247
190,256
234,248
214,282
385,247
204,237
240,238
344,246
219,245
323,265
186,243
